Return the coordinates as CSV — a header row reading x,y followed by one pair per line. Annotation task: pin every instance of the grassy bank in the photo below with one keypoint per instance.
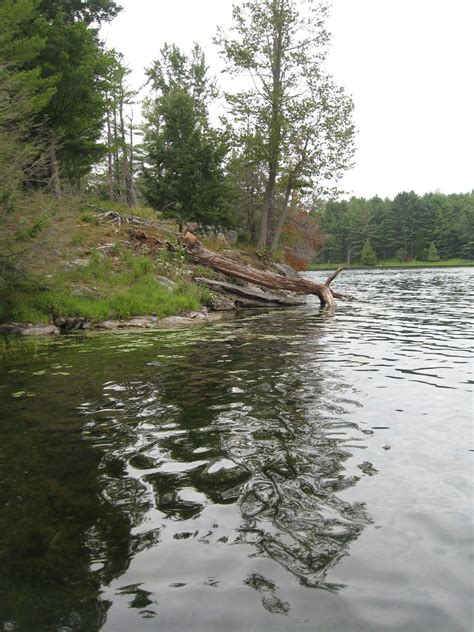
x,y
393,263
59,258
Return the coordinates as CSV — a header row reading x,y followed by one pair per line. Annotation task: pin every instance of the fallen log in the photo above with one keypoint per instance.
x,y
220,263
249,297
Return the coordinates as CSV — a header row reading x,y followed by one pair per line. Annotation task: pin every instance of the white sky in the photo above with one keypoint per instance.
x,y
407,63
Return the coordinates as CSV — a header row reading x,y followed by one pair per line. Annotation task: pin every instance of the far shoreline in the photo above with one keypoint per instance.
x,y
391,265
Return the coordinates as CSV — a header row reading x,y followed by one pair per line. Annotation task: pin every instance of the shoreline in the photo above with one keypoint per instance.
x,y
400,266
135,323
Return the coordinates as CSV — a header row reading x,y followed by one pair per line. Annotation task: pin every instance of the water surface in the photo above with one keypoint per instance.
x,y
285,470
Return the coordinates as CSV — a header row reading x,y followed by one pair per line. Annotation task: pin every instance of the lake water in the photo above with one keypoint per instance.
x,y
283,470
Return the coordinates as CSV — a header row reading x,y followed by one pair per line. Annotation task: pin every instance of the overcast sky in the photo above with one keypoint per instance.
x,y
407,63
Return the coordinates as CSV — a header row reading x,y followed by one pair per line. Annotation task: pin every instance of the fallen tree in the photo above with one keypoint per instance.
x,y
248,297
262,278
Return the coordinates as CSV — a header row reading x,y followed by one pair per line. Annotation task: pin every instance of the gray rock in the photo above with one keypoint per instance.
x,y
231,254
80,263
231,236
221,303
141,321
168,283
40,330
285,270
110,324
73,323
175,320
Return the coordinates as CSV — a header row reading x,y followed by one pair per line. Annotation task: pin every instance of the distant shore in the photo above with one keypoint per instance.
x,y
392,264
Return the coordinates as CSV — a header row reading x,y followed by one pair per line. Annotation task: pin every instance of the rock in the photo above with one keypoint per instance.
x,y
168,283
80,263
141,321
231,236
285,270
217,235
232,254
40,330
73,323
110,324
175,320
221,303
9,330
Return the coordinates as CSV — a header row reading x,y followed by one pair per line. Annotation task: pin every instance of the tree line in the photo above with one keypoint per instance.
x,y
409,227
285,138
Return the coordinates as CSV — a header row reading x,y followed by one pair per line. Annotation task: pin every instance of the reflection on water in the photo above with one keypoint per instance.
x,y
282,471
242,418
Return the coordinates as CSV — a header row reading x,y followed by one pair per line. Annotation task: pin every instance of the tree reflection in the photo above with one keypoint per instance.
x,y
256,420
60,539
247,414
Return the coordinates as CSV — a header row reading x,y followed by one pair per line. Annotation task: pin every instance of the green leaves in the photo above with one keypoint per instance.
x,y
182,173
292,104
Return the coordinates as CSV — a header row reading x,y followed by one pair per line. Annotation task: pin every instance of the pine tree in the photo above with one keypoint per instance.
x,y
367,255
182,174
433,253
23,93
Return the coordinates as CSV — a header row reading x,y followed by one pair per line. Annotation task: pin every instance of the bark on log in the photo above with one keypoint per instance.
x,y
251,297
218,262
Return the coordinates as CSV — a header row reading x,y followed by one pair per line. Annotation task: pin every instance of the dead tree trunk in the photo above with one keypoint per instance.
x,y
263,278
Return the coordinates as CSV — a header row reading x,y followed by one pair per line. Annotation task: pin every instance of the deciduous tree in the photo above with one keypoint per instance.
x,y
302,116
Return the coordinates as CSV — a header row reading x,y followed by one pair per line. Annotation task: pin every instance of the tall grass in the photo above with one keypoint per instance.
x,y
118,287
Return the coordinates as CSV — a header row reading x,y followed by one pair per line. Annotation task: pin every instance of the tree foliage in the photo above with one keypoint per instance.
x,y
86,11
182,174
402,228
367,254
23,93
301,116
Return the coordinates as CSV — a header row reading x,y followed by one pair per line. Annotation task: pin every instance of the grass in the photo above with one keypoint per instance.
x,y
75,265
393,263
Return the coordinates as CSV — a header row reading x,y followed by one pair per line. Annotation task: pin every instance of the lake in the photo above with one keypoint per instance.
x,y
278,471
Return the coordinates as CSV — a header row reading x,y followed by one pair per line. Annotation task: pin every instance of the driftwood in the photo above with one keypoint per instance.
x,y
249,297
220,263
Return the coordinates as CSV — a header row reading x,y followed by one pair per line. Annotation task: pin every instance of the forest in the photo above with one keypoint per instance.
x,y
71,127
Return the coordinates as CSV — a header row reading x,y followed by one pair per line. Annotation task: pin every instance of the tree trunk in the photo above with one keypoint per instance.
x,y
263,278
127,177
283,213
110,181
256,298
55,177
274,138
267,202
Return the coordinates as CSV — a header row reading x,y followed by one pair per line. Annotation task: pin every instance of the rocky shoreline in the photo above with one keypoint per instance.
x,y
70,325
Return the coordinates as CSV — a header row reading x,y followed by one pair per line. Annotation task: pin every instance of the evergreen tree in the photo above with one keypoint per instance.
x,y
74,56
86,11
67,56
182,174
433,253
367,255
22,94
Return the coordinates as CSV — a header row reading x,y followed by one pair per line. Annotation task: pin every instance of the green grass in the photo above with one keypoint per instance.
x,y
393,263
105,289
